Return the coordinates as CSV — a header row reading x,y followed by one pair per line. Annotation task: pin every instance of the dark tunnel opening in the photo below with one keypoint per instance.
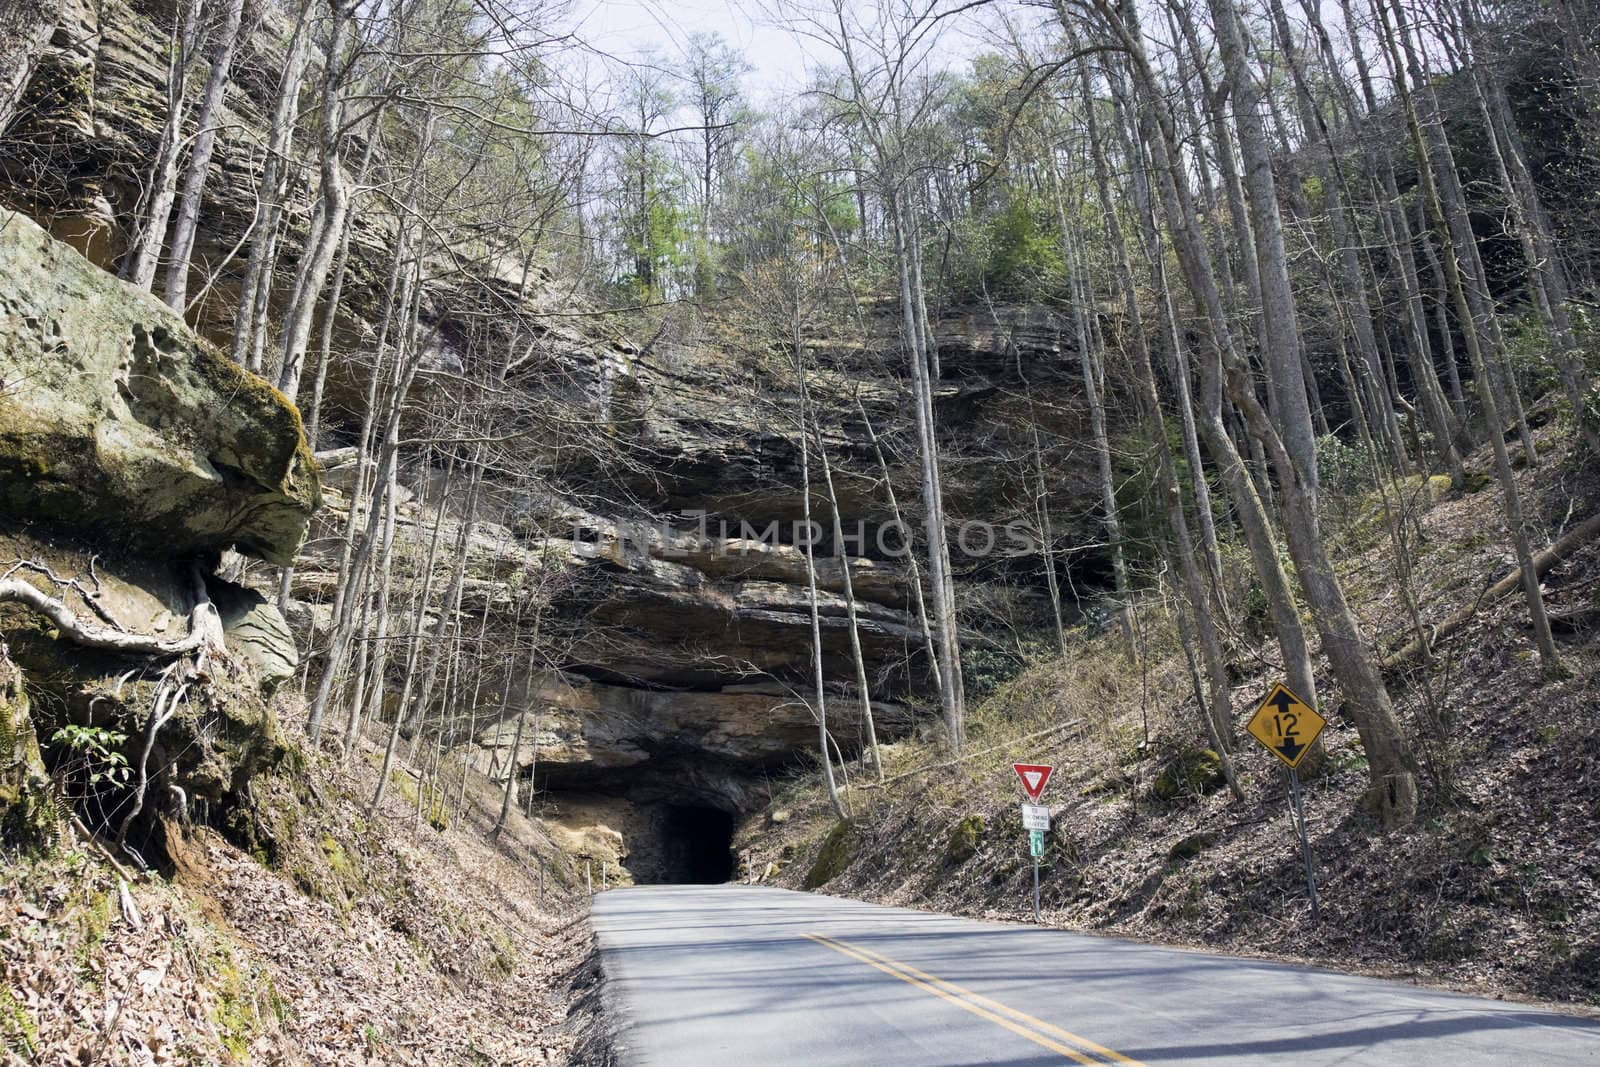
x,y
697,844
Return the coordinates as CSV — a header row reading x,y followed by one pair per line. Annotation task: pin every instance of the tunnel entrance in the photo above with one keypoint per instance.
x,y
697,844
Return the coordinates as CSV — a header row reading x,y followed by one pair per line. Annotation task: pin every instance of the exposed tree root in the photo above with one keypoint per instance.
x,y
205,625
193,659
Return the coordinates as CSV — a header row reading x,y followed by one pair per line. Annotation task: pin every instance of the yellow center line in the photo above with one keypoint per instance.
x,y
998,1020
1024,1017
977,1004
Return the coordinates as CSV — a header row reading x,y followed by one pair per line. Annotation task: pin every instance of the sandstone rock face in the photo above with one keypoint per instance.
x,y
706,746
24,31
117,422
256,632
681,651
131,455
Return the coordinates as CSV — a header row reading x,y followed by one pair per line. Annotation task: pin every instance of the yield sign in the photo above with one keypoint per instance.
x,y
1034,777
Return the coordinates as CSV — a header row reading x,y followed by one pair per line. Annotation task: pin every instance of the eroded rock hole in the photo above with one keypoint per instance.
x,y
697,844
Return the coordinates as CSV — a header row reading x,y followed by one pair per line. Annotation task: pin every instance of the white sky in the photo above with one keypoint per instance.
x,y
779,58
625,28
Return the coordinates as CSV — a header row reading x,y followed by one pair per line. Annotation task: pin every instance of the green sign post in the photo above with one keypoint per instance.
x,y
1036,849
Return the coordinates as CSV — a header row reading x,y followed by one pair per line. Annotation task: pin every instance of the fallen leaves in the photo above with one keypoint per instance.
x,y
443,956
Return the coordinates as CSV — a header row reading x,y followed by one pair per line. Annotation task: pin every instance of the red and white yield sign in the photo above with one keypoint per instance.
x,y
1034,777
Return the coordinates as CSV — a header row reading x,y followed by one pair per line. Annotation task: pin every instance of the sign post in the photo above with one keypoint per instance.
x,y
1035,817
1287,727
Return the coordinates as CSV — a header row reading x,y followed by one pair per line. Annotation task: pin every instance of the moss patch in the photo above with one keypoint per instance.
x,y
17,1028
1190,847
1194,772
838,849
27,816
963,842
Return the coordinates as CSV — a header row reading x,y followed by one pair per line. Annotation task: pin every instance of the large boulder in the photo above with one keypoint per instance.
x,y
132,454
117,422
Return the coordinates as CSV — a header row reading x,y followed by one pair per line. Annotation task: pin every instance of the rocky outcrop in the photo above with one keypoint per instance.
x,y
681,652
131,456
25,30
117,422
708,745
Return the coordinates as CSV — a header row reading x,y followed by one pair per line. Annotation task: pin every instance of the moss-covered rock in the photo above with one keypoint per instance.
x,y
964,838
1193,772
837,850
1187,848
27,816
116,421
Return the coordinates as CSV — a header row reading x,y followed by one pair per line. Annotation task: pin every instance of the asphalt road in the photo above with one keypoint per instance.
x,y
743,976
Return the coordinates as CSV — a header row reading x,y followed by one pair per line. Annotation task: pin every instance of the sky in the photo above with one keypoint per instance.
x,y
626,27
779,58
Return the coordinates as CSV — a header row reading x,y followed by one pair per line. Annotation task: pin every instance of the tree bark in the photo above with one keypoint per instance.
x,y
1390,762
175,287
140,265
1453,272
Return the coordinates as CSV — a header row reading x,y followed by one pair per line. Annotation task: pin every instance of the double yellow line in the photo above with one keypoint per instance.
x,y
1075,1048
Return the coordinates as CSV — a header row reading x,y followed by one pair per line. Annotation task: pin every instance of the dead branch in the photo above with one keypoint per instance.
x,y
1576,538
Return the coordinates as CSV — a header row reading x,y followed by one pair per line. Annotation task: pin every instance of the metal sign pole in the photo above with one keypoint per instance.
x,y
1305,841
1035,818
1036,889
1287,727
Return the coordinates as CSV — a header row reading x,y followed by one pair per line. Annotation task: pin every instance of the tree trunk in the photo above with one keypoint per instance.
x,y
139,267
175,287
914,572
1512,497
334,207
850,607
938,551
245,350
1389,758
821,707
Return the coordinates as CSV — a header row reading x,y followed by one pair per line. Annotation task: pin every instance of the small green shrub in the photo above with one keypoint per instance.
x,y
98,750
985,670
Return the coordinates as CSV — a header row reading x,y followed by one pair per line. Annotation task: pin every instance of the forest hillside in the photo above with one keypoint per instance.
x,y
1482,892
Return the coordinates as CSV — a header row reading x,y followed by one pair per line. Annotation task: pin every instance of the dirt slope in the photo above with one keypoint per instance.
x,y
346,939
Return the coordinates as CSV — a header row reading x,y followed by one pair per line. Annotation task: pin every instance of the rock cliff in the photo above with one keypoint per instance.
x,y
132,456
685,651
116,422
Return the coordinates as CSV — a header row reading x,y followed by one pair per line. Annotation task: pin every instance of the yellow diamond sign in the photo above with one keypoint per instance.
x,y
1286,724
